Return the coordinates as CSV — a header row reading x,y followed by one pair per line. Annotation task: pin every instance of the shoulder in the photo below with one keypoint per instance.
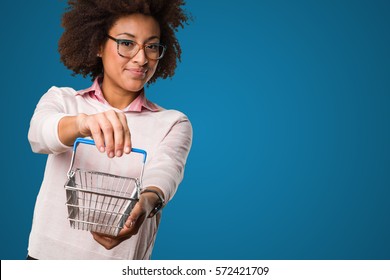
x,y
62,90
62,94
174,120
163,114
170,115
64,99
161,120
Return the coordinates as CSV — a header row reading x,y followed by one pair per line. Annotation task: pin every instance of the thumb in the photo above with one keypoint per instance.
x,y
134,215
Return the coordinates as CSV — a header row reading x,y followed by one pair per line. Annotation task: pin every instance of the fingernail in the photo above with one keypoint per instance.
x,y
118,153
111,154
129,223
101,149
127,150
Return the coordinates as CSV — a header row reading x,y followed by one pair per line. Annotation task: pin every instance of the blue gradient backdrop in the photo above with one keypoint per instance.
x,y
289,102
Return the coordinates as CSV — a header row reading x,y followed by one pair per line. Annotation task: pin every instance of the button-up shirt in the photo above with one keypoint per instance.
x,y
165,135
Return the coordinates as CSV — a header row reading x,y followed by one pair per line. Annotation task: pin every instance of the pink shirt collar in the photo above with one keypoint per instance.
x,y
137,105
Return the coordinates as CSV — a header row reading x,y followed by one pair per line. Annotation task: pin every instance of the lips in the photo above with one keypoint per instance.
x,y
137,72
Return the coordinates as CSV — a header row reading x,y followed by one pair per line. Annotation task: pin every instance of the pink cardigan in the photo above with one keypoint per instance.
x,y
166,135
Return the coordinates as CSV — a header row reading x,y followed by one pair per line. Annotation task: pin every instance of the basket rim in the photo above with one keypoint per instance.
x,y
102,173
76,189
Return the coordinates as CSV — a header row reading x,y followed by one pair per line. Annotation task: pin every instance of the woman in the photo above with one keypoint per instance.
x,y
123,46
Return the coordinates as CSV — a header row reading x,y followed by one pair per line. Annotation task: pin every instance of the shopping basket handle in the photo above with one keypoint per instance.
x,y
91,142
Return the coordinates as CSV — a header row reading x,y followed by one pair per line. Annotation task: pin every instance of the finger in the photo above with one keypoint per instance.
x,y
118,131
88,126
134,215
126,133
125,232
136,218
105,241
96,134
107,130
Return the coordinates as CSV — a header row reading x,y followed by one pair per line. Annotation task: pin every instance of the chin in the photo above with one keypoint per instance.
x,y
135,87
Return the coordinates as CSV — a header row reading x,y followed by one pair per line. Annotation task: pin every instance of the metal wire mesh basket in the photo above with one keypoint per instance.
x,y
97,201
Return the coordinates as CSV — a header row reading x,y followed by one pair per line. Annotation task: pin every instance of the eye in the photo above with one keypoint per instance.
x,y
127,43
153,47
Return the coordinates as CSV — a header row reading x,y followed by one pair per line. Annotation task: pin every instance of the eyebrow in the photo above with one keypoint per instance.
x,y
133,36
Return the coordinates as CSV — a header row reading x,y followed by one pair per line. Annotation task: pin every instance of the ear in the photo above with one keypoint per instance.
x,y
100,51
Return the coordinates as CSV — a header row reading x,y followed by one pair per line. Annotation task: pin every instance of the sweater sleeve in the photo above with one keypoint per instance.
x,y
43,131
165,169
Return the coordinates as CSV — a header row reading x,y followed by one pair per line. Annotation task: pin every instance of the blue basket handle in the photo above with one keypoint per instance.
x,y
91,142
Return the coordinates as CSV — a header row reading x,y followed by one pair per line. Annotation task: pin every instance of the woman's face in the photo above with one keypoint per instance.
x,y
122,74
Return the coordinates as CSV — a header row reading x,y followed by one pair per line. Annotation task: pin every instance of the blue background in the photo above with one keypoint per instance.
x,y
289,102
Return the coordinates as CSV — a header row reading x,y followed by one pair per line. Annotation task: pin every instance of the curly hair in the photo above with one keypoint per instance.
x,y
87,22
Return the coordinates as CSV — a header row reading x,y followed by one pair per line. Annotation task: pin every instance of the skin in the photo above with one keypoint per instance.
x,y
124,78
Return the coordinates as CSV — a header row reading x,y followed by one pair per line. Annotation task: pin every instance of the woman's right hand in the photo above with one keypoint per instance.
x,y
108,129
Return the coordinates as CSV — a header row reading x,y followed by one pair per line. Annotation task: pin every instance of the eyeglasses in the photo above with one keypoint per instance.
x,y
129,49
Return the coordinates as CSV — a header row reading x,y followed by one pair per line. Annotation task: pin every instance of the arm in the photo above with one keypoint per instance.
x,y
108,129
163,173
56,123
140,212
165,168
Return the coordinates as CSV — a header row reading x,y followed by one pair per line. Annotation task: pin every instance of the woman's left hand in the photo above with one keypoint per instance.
x,y
137,217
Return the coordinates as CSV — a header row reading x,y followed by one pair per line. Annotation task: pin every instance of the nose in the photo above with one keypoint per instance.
x,y
140,57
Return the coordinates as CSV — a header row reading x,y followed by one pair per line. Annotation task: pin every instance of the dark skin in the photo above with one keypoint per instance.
x,y
124,78
83,61
137,217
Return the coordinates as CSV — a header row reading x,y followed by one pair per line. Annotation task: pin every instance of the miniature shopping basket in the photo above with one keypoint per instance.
x,y
100,202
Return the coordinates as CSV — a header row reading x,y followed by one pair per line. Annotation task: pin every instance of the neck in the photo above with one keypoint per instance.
x,y
118,97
